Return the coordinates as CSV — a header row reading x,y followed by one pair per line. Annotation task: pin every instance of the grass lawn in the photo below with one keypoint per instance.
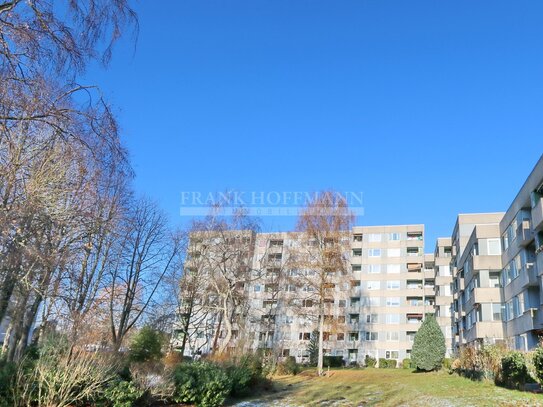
x,y
391,387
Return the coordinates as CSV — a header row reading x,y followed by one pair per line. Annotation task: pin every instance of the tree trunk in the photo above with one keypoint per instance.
x,y
321,341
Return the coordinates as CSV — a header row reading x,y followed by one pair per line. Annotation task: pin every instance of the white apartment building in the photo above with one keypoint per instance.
x,y
374,309
484,284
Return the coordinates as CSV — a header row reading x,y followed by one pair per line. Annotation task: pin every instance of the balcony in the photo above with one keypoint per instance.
x,y
525,235
484,329
527,277
481,295
486,263
414,267
537,215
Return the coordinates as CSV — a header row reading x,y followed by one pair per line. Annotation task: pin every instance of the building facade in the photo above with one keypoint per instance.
x,y
521,278
374,309
484,284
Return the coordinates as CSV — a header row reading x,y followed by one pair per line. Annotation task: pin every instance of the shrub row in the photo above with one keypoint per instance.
x,y
387,363
208,384
370,361
513,369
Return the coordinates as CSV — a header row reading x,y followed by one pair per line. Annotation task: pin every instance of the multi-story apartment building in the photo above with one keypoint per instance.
x,y
475,263
443,293
484,284
395,288
522,241
375,308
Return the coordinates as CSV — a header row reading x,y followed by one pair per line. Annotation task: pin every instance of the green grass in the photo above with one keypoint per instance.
x,y
393,387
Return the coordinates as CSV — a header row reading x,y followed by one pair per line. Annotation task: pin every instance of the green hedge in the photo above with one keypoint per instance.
x,y
370,361
387,363
514,370
333,361
406,363
201,383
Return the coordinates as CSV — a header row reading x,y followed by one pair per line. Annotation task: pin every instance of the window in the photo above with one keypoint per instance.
x,y
357,252
353,336
340,336
374,301
393,252
356,267
393,301
276,243
373,285
494,279
342,303
374,237
374,268
391,354
393,336
394,236
393,318
393,268
393,285
372,318
496,312
307,303
304,336
341,319
444,270
494,248
371,336
374,252
257,288
291,288
357,237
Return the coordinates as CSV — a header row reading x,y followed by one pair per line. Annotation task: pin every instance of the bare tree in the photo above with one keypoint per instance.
x,y
54,146
143,255
321,257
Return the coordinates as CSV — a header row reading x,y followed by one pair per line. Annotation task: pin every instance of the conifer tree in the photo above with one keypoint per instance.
x,y
429,346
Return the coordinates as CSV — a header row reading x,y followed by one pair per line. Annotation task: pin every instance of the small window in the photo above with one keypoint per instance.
x,y
357,237
374,237
494,247
374,253
373,285
357,252
393,268
374,268
394,252
393,285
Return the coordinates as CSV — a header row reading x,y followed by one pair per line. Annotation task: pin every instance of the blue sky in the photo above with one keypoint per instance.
x,y
430,108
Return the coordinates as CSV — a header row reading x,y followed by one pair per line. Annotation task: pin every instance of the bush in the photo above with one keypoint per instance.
x,y
514,370
369,361
333,361
62,376
7,375
146,345
201,383
447,363
387,363
429,346
538,364
288,366
122,394
406,363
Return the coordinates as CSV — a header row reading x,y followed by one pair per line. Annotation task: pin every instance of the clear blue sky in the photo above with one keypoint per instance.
x,y
430,108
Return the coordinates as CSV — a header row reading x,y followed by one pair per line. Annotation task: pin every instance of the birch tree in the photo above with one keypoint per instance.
x,y
321,257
